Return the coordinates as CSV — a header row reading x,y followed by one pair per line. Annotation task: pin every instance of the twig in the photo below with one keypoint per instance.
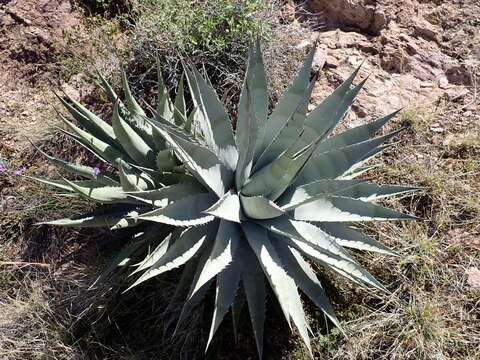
x,y
22,263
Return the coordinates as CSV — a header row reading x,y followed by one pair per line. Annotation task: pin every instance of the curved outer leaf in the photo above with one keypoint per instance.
x,y
104,194
223,252
184,212
81,170
253,280
359,170
135,117
181,251
161,249
259,95
132,105
306,280
354,136
295,196
305,232
288,103
100,148
335,163
89,120
193,300
62,184
163,196
106,87
258,207
167,177
348,268
123,258
98,218
348,237
144,129
228,208
341,209
131,142
212,118
368,192
131,219
252,115
200,161
227,284
281,283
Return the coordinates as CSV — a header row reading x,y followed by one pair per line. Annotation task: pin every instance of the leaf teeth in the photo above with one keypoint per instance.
x,y
282,284
187,211
223,252
343,209
182,250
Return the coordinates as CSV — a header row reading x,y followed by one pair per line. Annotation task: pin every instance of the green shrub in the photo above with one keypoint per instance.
x,y
191,26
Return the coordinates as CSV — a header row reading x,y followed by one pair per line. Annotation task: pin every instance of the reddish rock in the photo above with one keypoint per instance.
x,y
356,13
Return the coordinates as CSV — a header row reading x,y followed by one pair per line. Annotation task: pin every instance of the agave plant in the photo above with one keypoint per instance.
x,y
240,209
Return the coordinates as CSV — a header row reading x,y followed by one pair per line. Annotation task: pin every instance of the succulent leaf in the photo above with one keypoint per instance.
x,y
212,118
252,115
288,103
347,237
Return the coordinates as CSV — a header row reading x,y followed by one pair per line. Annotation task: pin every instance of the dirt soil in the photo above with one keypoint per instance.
x,y
31,39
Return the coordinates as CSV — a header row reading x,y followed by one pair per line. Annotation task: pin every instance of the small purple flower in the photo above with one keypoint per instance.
x,y
96,171
3,169
20,171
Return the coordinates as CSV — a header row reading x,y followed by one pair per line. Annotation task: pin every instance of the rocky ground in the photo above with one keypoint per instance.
x,y
420,55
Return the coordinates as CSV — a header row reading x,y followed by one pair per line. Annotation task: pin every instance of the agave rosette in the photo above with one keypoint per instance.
x,y
238,209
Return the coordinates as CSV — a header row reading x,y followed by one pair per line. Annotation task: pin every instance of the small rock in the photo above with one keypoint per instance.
x,y
412,48
443,83
473,277
424,29
7,203
437,128
288,12
426,84
455,94
394,60
352,60
448,140
332,62
303,44
319,59
379,22
459,74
